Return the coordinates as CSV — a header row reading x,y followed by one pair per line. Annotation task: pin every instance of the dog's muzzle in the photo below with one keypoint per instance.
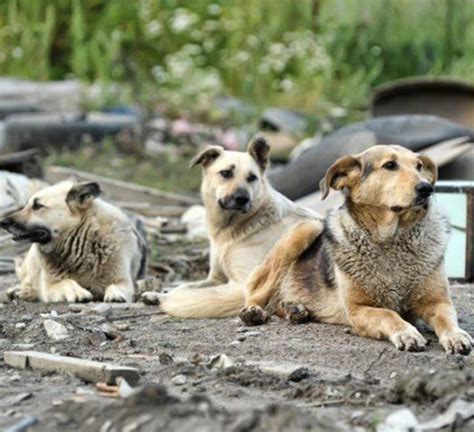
x,y
34,234
238,201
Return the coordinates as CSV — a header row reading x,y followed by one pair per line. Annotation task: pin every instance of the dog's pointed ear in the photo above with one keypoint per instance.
x,y
259,149
340,175
429,168
82,194
206,157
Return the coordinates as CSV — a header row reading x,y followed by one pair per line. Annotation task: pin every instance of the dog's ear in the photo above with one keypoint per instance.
x,y
206,157
429,168
340,175
82,194
259,149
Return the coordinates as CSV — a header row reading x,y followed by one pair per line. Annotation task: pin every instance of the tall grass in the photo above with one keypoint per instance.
x,y
266,51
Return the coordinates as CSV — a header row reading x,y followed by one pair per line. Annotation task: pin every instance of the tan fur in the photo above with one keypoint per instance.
x,y
239,240
93,249
378,262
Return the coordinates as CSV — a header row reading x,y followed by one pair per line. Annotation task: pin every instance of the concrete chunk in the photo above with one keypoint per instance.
x,y
88,370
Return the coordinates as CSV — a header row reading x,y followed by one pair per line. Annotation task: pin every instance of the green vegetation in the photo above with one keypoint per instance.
x,y
165,172
285,52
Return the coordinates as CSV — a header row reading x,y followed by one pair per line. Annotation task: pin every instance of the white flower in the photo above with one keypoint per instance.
x,y
182,20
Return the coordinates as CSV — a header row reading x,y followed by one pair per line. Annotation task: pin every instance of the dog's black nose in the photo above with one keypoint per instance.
x,y
424,189
241,198
5,223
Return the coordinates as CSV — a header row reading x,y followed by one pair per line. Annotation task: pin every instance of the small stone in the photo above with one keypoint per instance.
x,y
20,325
4,343
103,309
241,338
24,346
54,314
242,330
299,374
26,318
400,420
348,331
165,358
220,361
122,326
53,350
76,308
179,380
358,395
393,374
253,334
55,330
235,343
97,338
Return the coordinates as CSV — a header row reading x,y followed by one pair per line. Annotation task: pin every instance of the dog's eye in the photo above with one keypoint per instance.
x,y
390,166
36,205
419,166
251,178
227,174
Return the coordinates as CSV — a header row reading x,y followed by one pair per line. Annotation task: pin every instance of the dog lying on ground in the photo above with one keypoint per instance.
x,y
378,263
245,218
82,247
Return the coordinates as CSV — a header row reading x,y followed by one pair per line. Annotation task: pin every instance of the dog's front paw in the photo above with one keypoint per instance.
x,y
18,293
150,298
456,342
253,315
117,294
68,292
409,339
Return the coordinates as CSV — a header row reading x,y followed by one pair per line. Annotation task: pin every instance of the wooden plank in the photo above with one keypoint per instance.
x,y
117,190
88,370
441,154
16,157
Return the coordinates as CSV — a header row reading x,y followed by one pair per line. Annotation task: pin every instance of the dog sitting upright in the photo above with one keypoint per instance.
x,y
83,248
379,261
245,218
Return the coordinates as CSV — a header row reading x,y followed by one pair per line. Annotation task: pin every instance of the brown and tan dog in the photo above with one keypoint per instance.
x,y
378,263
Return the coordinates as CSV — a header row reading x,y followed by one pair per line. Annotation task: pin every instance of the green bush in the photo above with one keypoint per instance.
x,y
270,52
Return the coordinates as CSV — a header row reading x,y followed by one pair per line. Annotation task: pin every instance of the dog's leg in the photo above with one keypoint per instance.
x,y
379,323
67,290
434,306
264,282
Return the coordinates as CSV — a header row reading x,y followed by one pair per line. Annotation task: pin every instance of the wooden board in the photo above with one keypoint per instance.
x,y
120,191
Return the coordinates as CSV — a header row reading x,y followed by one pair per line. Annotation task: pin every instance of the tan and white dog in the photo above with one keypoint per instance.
x,y
83,248
245,218
379,263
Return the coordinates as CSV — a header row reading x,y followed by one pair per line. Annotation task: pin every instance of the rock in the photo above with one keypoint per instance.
x,y
4,343
26,318
55,330
179,380
103,309
220,361
76,307
459,410
402,420
165,358
24,346
253,334
97,338
235,343
285,371
195,221
242,330
241,338
20,325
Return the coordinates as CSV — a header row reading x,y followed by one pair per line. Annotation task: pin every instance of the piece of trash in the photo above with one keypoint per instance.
x,y
220,361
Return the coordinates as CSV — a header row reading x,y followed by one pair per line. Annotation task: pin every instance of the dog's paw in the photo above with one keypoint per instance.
x,y
296,313
150,298
117,294
69,292
17,293
253,315
456,342
408,339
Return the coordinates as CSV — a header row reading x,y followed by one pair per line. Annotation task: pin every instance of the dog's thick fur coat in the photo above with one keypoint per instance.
x,y
245,218
378,262
83,247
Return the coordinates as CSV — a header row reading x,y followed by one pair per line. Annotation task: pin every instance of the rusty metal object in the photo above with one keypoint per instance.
x,y
443,97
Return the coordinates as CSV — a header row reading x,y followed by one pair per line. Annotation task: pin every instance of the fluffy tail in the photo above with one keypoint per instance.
x,y
216,302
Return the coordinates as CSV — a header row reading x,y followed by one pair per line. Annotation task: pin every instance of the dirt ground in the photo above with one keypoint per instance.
x,y
343,381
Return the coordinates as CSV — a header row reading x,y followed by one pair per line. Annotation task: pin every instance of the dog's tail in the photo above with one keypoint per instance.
x,y
215,302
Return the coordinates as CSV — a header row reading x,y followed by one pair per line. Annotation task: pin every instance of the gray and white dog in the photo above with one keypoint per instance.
x,y
83,248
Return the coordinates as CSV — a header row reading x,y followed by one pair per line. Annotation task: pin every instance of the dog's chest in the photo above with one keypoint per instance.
x,y
390,272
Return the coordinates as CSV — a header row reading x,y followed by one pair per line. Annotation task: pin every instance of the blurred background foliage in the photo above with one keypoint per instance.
x,y
304,54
